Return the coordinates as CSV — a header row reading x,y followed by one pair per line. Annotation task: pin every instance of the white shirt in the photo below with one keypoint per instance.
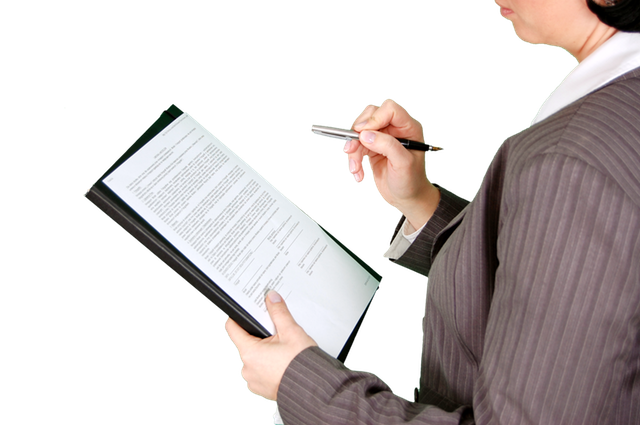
x,y
617,56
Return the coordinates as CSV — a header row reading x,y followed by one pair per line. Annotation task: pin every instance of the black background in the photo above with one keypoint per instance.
x,y
144,340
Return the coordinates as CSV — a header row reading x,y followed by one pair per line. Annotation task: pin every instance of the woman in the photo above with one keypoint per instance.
x,y
533,304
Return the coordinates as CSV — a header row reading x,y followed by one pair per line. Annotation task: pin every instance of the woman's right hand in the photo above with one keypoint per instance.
x,y
399,173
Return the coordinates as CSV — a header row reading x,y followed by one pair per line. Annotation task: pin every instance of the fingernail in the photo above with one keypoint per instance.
x,y
361,124
274,297
352,166
368,136
357,177
346,145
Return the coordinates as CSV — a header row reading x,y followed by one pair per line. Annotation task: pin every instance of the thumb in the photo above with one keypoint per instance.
x,y
388,146
279,312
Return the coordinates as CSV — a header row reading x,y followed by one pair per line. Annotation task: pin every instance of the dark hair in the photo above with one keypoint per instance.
x,y
624,15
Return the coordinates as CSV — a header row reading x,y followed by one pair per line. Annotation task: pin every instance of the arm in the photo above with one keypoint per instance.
x,y
418,257
561,342
399,173
318,389
561,339
401,179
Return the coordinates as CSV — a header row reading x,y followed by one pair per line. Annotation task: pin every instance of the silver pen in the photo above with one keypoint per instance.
x,y
340,133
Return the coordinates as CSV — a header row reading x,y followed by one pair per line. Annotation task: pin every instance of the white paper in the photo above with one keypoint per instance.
x,y
243,233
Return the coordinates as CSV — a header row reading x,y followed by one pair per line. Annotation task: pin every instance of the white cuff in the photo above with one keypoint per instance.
x,y
402,241
413,233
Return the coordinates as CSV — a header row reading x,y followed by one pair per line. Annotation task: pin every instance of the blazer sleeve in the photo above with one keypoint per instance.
x,y
562,337
418,257
318,389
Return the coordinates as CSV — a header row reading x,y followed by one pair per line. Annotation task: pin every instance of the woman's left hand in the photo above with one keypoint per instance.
x,y
265,360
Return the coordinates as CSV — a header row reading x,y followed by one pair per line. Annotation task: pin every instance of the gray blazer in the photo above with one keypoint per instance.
x,y
533,303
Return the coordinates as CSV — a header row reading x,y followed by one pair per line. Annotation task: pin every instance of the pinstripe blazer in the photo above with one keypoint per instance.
x,y
533,303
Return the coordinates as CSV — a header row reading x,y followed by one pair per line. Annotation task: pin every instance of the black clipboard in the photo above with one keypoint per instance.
x,y
126,217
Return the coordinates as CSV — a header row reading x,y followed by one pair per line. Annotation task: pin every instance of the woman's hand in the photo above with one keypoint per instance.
x,y
399,173
265,360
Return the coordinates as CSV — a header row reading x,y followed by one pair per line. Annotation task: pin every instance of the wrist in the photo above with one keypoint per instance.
x,y
419,211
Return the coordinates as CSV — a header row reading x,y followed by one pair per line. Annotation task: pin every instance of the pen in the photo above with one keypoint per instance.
x,y
339,133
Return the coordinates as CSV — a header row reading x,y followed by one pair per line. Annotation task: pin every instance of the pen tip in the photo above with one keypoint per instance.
x,y
434,148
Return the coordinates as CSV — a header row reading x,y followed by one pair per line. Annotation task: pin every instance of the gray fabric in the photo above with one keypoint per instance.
x,y
533,303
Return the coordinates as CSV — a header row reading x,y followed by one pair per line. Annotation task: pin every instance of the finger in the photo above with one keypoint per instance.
x,y
238,335
387,146
355,159
363,117
351,146
356,170
394,119
279,312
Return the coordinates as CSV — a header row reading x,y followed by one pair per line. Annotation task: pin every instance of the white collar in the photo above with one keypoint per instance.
x,y
617,56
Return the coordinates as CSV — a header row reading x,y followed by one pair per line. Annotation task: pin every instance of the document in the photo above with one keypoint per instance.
x,y
242,233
